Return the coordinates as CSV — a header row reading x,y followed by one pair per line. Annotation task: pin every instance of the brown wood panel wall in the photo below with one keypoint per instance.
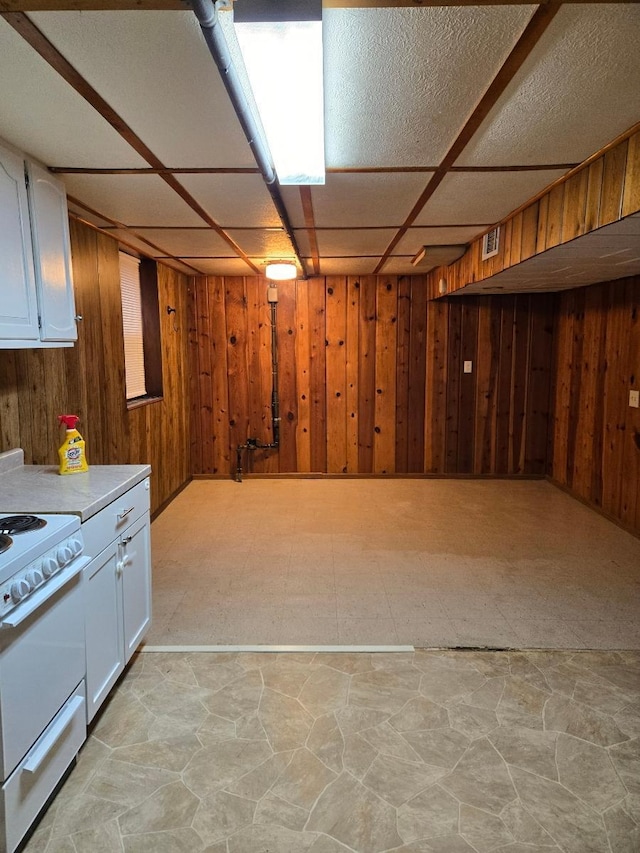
x,y
371,378
595,434
88,379
603,189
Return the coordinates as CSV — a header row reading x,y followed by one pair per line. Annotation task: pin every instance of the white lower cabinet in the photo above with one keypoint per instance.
x,y
117,589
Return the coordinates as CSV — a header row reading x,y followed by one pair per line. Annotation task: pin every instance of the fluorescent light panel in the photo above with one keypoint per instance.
x,y
283,60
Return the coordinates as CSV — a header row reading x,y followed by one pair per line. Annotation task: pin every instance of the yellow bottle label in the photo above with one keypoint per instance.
x,y
72,456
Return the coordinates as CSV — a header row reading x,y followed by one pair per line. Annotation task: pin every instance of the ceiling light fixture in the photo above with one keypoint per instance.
x,y
281,271
281,45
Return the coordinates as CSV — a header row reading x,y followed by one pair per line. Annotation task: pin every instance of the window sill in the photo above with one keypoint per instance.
x,y
142,401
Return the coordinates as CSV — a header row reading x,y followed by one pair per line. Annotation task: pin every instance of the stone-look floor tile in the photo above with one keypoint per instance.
x,y
442,844
431,813
128,784
214,676
285,720
238,698
325,690
214,728
353,719
628,721
173,841
325,844
170,699
383,690
522,700
220,815
84,812
172,807
264,839
254,784
442,685
355,816
61,845
127,722
530,749
358,755
221,764
326,742
104,839
303,779
250,727
171,754
484,831
386,740
273,811
489,695
626,760
623,831
481,779
586,770
420,713
565,715
439,747
472,721
287,677
345,662
524,828
576,827
397,781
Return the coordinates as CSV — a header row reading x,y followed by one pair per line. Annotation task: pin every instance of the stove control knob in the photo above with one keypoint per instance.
x,y
64,555
49,567
76,546
19,589
34,578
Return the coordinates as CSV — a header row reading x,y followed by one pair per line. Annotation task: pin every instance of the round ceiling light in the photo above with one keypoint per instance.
x,y
281,271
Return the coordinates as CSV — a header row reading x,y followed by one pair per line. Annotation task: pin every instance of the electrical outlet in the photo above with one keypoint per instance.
x,y
468,367
634,399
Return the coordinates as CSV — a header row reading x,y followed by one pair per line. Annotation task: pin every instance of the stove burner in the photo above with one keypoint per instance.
x,y
12,524
5,543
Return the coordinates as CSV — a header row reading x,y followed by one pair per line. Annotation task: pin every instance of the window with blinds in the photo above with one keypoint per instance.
x,y
133,327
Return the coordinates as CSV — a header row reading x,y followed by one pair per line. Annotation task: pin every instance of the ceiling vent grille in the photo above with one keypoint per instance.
x,y
491,243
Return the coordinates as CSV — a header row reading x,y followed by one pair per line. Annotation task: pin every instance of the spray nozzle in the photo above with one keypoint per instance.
x,y
69,421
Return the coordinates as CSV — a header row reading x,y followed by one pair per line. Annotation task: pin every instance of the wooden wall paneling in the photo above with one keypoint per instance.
x,y
196,437
594,192
505,386
454,372
318,357
287,332
258,338
467,396
575,398
520,372
516,239
436,386
10,434
539,381
115,434
403,348
563,385
630,490
543,216
203,355
613,180
554,216
352,373
270,460
575,205
336,335
417,375
237,367
489,326
303,379
631,195
384,438
221,462
366,373
529,231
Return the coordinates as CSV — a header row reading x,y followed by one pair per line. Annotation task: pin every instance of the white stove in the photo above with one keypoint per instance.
x,y
42,663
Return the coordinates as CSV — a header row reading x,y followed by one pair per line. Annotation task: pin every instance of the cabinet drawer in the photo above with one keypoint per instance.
x,y
110,522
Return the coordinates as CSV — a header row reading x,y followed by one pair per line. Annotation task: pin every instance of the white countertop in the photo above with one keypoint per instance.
x,y
40,489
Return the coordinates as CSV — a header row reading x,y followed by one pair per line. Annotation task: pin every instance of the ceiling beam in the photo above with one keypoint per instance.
x,y
181,5
532,33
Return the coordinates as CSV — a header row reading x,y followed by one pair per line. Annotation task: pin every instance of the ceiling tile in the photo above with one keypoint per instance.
x,y
401,82
347,266
416,238
132,199
354,241
44,116
263,243
578,89
155,70
192,242
482,197
224,266
366,199
233,200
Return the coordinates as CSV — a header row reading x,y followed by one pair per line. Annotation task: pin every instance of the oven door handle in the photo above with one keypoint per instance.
x,y
53,735
42,595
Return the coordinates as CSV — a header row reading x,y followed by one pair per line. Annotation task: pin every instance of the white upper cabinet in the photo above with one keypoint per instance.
x,y
18,305
37,306
52,257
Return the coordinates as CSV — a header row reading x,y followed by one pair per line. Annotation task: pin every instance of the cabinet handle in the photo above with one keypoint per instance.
x,y
126,540
53,735
125,513
119,569
78,318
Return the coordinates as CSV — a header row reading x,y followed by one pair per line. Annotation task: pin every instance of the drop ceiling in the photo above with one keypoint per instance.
x,y
440,120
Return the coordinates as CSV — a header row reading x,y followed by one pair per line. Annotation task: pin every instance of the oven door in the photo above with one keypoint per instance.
x,y
42,660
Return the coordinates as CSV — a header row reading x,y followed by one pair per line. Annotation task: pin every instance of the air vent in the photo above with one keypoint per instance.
x,y
491,243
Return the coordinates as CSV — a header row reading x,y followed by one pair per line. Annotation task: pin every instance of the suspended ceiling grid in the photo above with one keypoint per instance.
x,y
402,85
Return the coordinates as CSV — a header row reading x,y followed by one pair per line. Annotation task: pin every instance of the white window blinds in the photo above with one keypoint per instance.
x,y
132,326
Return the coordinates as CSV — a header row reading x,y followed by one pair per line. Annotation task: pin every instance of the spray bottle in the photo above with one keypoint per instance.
x,y
72,456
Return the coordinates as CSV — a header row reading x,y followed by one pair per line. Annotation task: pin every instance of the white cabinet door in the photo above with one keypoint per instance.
x,y
136,583
103,626
52,254
18,307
